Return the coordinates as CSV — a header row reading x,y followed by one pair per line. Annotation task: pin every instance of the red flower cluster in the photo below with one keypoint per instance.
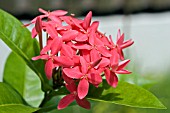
x,y
81,51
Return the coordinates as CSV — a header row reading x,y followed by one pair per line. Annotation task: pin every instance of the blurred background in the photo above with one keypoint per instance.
x,y
147,22
24,9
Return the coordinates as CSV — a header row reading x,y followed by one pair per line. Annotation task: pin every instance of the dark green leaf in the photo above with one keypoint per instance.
x,y
23,79
18,38
12,102
125,94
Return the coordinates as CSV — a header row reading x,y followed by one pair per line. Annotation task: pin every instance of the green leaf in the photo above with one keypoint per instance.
x,y
12,102
125,94
18,38
23,79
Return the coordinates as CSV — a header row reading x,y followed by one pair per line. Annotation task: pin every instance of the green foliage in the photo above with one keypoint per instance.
x,y
23,79
125,94
18,38
12,102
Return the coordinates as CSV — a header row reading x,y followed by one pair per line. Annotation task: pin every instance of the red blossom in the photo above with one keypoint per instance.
x,y
86,74
80,51
120,44
66,100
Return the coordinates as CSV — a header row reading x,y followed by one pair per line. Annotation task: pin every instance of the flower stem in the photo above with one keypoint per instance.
x,y
40,40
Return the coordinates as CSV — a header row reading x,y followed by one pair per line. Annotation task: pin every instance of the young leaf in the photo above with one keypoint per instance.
x,y
125,94
12,102
18,38
19,76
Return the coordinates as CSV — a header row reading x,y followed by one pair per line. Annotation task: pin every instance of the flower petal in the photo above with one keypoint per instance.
x,y
59,12
104,62
45,49
86,54
73,72
95,63
84,65
104,51
94,26
65,101
123,71
121,55
71,87
76,59
50,29
120,38
123,64
114,59
127,44
81,46
33,33
57,20
92,37
69,35
38,25
63,61
42,11
95,78
83,88
56,45
111,78
49,68
111,41
44,57
94,55
87,20
67,50
98,41
83,103
81,37
106,41
67,79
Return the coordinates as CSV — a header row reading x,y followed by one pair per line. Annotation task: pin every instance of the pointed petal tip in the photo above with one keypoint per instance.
x,y
42,10
80,96
89,13
33,58
114,86
59,108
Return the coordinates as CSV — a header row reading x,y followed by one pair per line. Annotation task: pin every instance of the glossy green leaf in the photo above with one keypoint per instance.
x,y
12,102
23,79
18,38
125,94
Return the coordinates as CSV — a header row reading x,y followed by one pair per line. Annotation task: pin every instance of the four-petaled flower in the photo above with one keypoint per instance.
x,y
66,100
78,53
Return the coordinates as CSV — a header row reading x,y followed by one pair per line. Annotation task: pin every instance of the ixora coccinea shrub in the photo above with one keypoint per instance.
x,y
73,61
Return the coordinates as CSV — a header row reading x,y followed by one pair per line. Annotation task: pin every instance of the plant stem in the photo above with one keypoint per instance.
x,y
40,40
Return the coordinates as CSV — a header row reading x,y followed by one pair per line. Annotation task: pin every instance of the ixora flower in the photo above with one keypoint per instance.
x,y
78,53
